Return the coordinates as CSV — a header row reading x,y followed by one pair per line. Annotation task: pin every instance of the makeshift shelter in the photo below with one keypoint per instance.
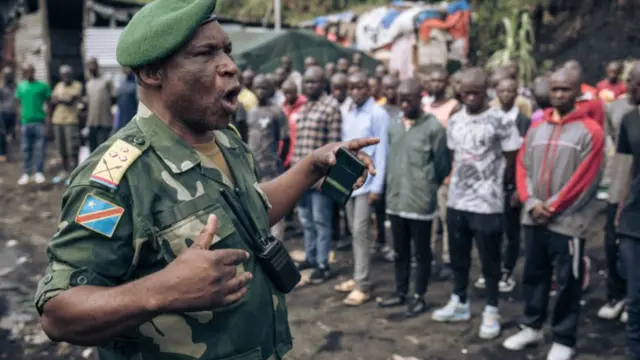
x,y
262,51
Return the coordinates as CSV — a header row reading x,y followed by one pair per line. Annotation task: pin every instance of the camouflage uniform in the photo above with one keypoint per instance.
x,y
132,207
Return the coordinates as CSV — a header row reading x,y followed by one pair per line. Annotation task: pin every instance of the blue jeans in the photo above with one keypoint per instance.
x,y
33,146
316,211
629,254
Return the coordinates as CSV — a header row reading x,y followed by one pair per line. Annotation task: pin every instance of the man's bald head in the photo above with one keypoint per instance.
x,y
353,69
614,70
314,82
474,75
540,91
289,85
359,88
339,79
410,86
564,89
568,76
247,77
473,89
389,85
573,65
309,62
339,86
358,77
410,98
290,91
497,75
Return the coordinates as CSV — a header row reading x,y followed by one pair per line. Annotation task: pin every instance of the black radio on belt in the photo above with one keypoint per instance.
x,y
272,255
278,264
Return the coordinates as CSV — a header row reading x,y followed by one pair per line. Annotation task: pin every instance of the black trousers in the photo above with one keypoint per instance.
x,y
545,251
380,209
512,232
616,285
98,135
487,229
629,257
403,231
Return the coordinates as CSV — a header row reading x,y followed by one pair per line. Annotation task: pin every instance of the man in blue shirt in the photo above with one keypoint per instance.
x,y
364,118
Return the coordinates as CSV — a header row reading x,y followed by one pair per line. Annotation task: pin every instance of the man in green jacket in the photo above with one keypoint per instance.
x,y
152,259
418,162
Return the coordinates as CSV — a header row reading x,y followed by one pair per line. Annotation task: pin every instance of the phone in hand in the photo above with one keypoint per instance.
x,y
338,184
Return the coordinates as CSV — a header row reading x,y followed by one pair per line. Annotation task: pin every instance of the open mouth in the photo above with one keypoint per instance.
x,y
230,98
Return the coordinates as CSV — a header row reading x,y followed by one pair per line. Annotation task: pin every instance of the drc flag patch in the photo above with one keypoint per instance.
x,y
99,215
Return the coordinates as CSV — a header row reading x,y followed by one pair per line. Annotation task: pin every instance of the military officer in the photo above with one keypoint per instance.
x,y
151,259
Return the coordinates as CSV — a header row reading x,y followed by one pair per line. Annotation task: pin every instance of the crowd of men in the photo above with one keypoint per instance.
x,y
462,158
478,156
69,115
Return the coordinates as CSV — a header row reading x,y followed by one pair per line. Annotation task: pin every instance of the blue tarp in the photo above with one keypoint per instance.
x,y
460,5
427,14
322,20
389,17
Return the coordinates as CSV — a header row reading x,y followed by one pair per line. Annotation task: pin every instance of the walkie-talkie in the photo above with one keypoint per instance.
x,y
278,264
272,255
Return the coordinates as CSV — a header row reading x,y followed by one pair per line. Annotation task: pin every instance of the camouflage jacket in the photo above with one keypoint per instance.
x,y
132,207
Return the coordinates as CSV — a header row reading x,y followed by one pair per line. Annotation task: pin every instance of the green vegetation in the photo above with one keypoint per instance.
x,y
518,43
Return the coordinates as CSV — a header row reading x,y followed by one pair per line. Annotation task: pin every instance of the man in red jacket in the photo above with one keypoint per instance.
x,y
557,176
291,106
612,87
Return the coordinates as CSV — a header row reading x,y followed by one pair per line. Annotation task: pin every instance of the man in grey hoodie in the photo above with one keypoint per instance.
x,y
557,176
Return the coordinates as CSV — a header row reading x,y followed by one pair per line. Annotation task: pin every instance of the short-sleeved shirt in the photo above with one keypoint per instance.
x,y
32,95
629,143
319,124
478,142
66,114
267,126
99,92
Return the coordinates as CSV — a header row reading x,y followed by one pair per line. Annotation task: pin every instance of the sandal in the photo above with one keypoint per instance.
x,y
356,298
346,286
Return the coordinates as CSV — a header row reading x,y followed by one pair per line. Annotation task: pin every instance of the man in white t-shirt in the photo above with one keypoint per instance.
x,y
484,143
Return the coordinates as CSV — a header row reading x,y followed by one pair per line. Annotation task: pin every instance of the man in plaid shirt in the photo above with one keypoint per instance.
x,y
319,123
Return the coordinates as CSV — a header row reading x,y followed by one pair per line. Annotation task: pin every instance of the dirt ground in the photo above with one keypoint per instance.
x,y
323,328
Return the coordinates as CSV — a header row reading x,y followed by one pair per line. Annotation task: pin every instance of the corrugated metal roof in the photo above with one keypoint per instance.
x,y
30,45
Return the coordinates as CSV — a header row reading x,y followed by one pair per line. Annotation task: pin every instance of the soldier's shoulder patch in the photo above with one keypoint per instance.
x,y
99,215
114,163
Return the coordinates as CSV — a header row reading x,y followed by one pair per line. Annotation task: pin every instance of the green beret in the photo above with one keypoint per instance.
x,y
160,28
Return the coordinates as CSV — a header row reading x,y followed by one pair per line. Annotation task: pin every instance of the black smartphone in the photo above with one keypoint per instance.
x,y
338,183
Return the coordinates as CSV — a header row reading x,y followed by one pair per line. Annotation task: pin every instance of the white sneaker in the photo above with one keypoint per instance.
x,y
453,311
39,178
490,327
507,283
560,352
624,317
481,283
611,310
526,337
24,179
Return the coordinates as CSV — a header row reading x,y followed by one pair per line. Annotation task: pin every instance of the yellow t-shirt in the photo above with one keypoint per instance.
x,y
211,156
66,114
248,99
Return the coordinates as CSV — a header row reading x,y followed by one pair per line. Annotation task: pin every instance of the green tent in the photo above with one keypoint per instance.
x,y
261,51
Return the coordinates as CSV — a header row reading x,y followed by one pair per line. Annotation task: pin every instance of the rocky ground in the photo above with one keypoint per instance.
x,y
323,328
